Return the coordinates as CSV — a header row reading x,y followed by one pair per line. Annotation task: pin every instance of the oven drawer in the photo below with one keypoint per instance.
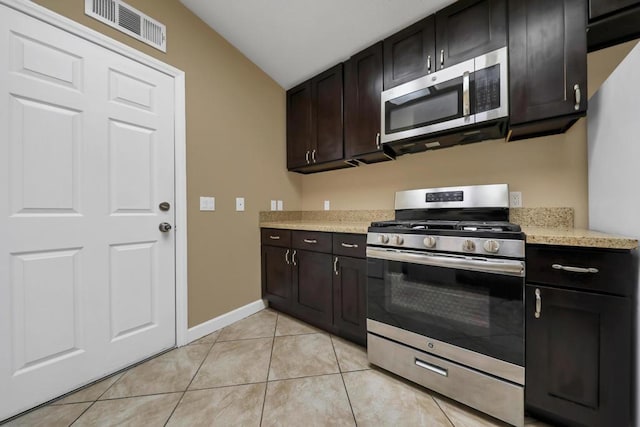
x,y
276,237
312,241
581,268
498,398
353,245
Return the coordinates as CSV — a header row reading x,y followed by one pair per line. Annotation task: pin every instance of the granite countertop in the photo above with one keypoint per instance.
x,y
545,226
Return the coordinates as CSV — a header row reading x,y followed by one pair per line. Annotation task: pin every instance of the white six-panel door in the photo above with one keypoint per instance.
x,y
87,279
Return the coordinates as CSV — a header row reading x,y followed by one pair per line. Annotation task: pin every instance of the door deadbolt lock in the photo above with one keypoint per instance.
x,y
164,206
164,227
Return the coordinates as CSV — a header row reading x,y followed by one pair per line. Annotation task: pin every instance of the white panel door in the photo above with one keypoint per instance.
x,y
87,282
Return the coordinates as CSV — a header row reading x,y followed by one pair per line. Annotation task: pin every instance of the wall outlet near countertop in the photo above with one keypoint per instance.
x,y
239,204
279,205
515,199
327,205
274,205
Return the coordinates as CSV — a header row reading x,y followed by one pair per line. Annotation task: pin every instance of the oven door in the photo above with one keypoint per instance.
x,y
468,302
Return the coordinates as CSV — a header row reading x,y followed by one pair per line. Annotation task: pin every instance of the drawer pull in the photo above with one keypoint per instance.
x,y
349,245
538,304
433,368
310,241
274,237
574,269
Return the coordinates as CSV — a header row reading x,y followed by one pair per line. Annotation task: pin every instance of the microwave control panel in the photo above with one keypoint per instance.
x,y
487,88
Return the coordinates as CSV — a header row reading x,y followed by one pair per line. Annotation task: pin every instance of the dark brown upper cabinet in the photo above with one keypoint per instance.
x,y
612,22
548,66
314,123
362,89
470,28
410,53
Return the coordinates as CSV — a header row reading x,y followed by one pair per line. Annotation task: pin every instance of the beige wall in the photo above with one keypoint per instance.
x,y
235,147
549,171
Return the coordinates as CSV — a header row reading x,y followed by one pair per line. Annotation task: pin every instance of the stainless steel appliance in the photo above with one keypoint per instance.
x,y
464,103
445,296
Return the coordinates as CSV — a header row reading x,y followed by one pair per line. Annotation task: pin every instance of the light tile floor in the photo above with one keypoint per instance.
x,y
268,369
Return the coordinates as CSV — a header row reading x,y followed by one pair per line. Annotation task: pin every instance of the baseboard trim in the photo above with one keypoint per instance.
x,y
226,319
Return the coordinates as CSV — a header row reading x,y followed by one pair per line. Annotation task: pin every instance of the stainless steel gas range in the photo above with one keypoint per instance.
x,y
445,296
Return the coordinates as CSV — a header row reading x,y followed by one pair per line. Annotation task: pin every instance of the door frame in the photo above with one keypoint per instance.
x,y
180,155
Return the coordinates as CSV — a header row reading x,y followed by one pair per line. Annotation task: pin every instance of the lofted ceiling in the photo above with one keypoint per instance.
x,y
292,40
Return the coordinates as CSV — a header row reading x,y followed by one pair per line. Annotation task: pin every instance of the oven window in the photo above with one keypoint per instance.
x,y
481,312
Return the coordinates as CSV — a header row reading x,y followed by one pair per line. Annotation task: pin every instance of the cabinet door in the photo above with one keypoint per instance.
x,y
578,356
363,86
548,59
276,276
299,121
349,297
470,28
599,8
312,287
327,142
409,53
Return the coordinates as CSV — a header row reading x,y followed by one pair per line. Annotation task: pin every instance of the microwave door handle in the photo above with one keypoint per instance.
x,y
466,104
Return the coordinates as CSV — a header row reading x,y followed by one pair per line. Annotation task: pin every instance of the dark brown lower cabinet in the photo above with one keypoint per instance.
x,y
312,282
349,298
323,284
578,357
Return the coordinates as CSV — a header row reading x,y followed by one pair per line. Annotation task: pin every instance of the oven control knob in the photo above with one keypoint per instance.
x,y
468,246
429,242
397,240
491,246
383,238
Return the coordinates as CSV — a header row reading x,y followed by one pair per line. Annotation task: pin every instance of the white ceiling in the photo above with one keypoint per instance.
x,y
293,40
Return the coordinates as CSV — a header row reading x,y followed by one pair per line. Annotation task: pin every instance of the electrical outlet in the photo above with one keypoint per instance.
x,y
280,205
327,205
515,199
274,205
239,204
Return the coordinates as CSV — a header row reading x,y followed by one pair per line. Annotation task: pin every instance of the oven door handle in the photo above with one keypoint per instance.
x,y
485,265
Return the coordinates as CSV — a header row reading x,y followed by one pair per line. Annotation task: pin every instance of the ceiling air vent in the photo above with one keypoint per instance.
x,y
129,20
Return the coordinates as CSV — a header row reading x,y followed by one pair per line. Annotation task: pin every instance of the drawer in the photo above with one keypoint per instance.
x,y
276,237
312,241
608,271
353,245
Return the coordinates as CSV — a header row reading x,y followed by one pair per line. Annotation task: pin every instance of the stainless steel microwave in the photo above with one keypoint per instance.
x,y
470,93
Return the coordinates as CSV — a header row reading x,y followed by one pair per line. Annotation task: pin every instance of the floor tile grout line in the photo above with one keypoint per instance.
x,y
266,384
442,410
342,379
192,378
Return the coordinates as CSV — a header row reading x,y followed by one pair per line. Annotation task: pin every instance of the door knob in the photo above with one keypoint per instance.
x,y
164,227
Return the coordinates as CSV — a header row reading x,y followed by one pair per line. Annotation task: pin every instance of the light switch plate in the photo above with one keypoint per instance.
x,y
239,204
274,205
207,204
515,199
327,205
280,205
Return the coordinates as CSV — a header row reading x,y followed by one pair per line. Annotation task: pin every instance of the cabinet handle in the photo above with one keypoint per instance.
x,y
293,258
578,96
274,237
466,104
313,156
428,64
311,241
335,266
538,304
574,269
433,368
306,156
349,245
378,140
442,58
286,257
